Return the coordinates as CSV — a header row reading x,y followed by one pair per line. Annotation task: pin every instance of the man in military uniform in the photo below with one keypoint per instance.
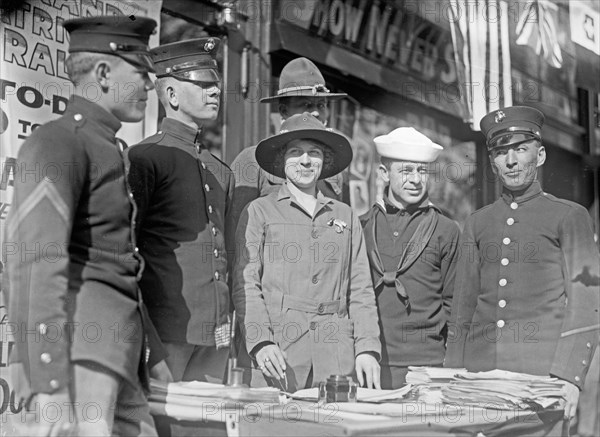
x,y
412,249
301,89
183,194
73,290
526,291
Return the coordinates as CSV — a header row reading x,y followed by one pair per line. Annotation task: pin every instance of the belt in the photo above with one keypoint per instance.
x,y
310,305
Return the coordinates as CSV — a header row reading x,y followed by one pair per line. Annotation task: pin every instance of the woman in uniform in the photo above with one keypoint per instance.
x,y
302,287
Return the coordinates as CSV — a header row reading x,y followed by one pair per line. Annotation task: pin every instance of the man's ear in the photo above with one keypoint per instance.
x,y
102,72
492,164
283,110
383,172
541,156
172,97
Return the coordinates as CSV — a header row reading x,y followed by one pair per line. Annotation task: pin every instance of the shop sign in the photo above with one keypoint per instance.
x,y
34,87
392,36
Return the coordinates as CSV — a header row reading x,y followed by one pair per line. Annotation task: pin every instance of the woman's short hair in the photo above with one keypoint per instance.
x,y
328,155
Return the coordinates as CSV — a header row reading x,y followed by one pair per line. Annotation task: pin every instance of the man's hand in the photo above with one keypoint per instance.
x,y
271,361
161,372
571,395
367,366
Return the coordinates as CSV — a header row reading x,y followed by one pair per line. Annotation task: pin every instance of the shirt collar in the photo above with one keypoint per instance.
x,y
92,111
284,193
520,196
181,130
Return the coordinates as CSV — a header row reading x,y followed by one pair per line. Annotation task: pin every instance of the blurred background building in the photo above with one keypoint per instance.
x,y
436,65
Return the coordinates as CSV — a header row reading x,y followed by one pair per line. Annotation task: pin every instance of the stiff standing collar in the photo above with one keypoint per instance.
x,y
520,196
92,111
181,130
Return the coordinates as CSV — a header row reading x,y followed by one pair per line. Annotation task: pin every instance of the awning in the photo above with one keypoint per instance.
x,y
403,83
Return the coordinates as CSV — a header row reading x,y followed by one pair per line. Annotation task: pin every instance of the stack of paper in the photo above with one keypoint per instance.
x,y
197,400
502,390
428,375
199,389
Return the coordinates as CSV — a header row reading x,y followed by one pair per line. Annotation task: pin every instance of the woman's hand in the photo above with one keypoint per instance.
x,y
271,361
367,366
571,395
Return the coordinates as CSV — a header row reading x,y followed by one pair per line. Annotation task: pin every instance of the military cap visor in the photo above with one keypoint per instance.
x,y
126,37
510,125
192,60
195,71
512,139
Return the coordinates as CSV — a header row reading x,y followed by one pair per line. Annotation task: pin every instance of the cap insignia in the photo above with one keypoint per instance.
x,y
499,116
209,45
319,88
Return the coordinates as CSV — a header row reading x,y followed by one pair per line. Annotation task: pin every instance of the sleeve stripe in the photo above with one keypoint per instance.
x,y
579,330
45,190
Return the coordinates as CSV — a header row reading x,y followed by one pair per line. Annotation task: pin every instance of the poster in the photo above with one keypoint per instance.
x,y
34,89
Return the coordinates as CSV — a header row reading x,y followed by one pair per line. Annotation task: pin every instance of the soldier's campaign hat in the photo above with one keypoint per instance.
x,y
407,144
119,35
301,77
192,59
303,126
512,125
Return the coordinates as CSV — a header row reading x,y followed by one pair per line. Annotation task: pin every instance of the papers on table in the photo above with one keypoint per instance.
x,y
199,389
195,392
497,389
197,400
427,375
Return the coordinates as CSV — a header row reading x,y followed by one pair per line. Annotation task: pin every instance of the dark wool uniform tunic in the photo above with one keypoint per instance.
x,y
417,338
182,192
526,294
73,284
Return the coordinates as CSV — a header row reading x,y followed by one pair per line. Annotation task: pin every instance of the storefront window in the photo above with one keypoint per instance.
x,y
452,181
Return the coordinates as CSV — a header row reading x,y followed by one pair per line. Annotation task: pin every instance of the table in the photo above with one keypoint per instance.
x,y
364,419
399,419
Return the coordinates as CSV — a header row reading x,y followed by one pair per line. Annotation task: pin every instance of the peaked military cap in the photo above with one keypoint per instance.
x,y
512,125
192,59
119,35
301,77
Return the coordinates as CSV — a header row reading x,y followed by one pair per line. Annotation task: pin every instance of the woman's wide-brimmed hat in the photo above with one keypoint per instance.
x,y
301,78
303,126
